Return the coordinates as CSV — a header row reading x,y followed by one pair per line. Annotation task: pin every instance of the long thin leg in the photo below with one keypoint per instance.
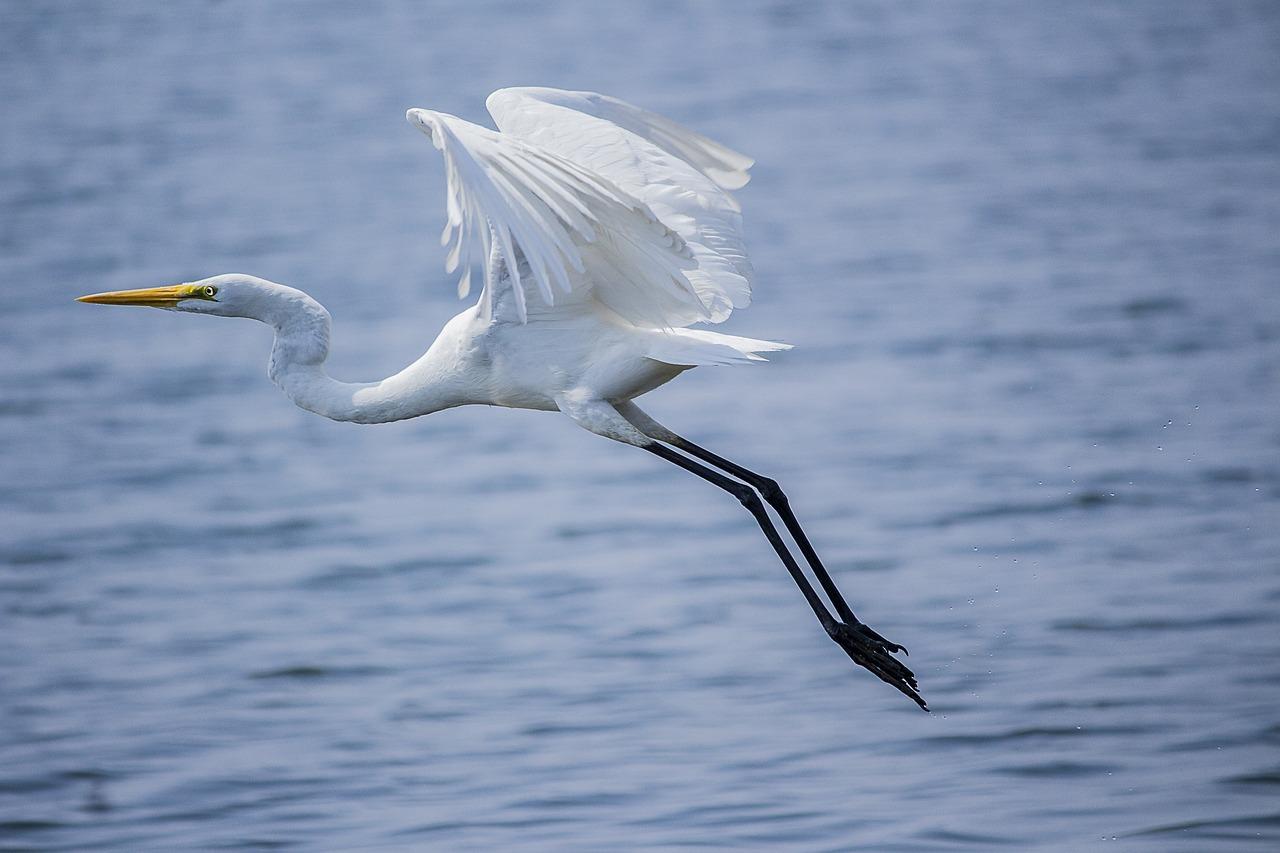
x,y
626,423
770,491
773,494
749,499
776,498
864,646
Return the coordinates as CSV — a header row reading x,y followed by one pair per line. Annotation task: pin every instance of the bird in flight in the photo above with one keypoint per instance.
x,y
605,232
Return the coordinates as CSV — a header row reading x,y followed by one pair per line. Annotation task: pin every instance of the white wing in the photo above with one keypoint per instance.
x,y
682,176
575,230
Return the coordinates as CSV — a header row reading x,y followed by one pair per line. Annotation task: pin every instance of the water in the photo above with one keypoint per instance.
x,y
1028,255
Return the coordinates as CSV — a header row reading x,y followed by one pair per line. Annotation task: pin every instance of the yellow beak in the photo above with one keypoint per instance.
x,y
154,297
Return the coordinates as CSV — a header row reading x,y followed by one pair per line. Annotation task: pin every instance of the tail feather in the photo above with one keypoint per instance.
x,y
700,347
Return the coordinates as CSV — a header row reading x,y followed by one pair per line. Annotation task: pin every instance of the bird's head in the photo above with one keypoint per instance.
x,y
230,295
301,323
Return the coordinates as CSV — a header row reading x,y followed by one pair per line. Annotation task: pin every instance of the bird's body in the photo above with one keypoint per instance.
x,y
605,232
476,360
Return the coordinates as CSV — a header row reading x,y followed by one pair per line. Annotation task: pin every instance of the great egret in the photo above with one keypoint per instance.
x,y
606,232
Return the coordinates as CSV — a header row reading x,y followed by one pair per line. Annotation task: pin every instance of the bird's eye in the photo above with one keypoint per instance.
x,y
210,291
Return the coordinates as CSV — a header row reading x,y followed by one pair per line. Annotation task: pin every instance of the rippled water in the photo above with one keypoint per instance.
x,y
1028,254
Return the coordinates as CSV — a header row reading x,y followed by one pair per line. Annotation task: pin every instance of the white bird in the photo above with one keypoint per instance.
x,y
606,231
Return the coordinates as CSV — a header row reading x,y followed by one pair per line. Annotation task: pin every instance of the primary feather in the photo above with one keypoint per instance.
x,y
681,175
598,198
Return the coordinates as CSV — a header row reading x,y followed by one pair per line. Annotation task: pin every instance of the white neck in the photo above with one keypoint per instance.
x,y
297,366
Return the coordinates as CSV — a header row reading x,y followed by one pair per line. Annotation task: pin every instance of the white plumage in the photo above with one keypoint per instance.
x,y
604,232
582,186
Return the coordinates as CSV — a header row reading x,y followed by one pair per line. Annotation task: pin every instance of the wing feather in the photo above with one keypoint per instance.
x,y
682,176
521,202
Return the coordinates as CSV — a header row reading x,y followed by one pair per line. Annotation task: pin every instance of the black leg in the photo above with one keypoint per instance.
x,y
773,493
864,646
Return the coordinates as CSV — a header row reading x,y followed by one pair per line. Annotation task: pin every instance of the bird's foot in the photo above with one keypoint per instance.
x,y
870,650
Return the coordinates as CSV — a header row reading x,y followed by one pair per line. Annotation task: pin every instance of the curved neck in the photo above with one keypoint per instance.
x,y
297,366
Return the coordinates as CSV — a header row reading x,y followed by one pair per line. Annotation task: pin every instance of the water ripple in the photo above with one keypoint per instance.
x,y
1027,254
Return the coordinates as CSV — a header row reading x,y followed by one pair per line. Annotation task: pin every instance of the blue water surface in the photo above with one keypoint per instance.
x,y
1029,256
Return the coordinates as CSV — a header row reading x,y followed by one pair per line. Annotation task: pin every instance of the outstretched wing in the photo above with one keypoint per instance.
x,y
575,230
682,176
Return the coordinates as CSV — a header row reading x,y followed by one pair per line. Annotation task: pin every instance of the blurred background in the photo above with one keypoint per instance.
x,y
1027,253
